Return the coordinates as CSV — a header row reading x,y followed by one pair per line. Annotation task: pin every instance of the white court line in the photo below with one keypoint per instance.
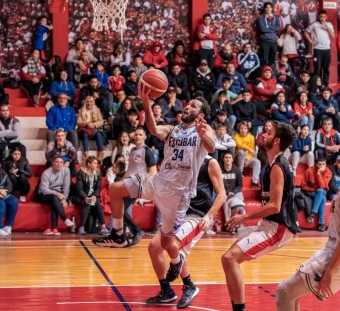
x,y
131,303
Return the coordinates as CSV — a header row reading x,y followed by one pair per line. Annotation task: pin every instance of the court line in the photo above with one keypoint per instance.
x,y
113,287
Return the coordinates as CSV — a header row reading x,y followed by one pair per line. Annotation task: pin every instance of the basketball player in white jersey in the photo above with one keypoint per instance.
x,y
277,226
320,274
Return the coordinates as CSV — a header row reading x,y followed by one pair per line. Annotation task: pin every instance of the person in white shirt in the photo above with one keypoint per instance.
x,y
319,34
223,142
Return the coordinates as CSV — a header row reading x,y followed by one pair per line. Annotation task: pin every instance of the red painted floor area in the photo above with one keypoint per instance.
x,y
211,297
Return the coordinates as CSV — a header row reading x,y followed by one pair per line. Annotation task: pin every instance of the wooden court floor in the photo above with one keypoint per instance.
x,y
70,273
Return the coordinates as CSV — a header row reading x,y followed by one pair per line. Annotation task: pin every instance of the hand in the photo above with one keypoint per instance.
x,y
235,221
320,171
246,163
249,124
88,200
246,75
314,42
153,148
157,66
81,65
305,148
178,90
324,288
95,94
336,148
288,73
251,151
205,223
67,164
276,91
144,95
14,171
201,127
311,117
93,199
3,192
283,108
35,80
231,194
60,195
64,203
90,125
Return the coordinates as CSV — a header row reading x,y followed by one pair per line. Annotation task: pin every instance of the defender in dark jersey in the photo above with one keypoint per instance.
x,y
198,219
277,226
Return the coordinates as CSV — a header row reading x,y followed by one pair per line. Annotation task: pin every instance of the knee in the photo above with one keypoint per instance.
x,y
154,248
321,191
304,120
241,153
228,259
282,292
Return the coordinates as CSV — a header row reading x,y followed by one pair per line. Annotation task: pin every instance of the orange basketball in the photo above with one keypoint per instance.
x,y
156,81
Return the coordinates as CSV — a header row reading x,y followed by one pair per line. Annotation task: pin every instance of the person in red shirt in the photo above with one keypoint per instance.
x,y
303,110
116,81
315,184
156,57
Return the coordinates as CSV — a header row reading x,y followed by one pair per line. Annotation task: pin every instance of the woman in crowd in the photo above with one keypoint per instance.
x,y
31,77
89,120
53,69
8,204
18,171
262,154
88,185
123,147
303,110
280,110
121,58
314,89
120,116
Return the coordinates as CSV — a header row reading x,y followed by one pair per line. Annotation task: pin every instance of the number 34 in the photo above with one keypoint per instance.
x,y
178,154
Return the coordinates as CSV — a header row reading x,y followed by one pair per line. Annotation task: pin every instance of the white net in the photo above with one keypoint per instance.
x,y
109,14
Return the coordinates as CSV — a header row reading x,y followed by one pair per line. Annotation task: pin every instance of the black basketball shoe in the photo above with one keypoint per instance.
x,y
174,270
163,297
113,240
189,293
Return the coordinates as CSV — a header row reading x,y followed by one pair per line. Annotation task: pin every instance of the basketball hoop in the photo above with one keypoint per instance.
x,y
109,14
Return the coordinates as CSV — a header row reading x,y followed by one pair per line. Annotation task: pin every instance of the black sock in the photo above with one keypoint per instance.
x,y
240,307
165,285
233,305
187,281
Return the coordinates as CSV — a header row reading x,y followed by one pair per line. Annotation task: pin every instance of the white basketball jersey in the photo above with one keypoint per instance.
x,y
183,156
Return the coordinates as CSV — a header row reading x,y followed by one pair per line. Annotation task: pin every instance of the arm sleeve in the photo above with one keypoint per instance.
x,y
98,186
50,152
257,63
239,143
66,182
44,185
261,90
304,184
50,120
72,57
318,140
26,170
8,184
110,176
127,60
80,185
72,91
317,109
149,158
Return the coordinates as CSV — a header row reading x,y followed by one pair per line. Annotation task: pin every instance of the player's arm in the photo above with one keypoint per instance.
x,y
206,133
215,175
272,207
160,131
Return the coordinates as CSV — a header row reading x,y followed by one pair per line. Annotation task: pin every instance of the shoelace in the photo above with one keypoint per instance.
x,y
186,290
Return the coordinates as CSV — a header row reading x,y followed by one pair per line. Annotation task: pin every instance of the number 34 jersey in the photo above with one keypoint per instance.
x,y
183,156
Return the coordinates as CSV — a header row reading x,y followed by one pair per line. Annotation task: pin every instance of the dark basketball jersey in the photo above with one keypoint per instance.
x,y
286,214
201,204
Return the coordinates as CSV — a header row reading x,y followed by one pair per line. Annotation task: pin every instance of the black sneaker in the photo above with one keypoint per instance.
x,y
321,228
189,293
162,297
255,185
298,229
174,270
137,237
310,218
113,240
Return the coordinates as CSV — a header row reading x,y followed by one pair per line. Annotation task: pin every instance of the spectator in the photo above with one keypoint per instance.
x,y
101,74
54,189
223,104
131,123
101,95
10,130
157,113
302,150
248,63
137,65
280,110
205,40
245,110
116,81
8,204
315,184
170,106
262,153
288,41
3,95
62,148
180,57
265,89
314,88
179,81
204,80
232,179
90,122
325,106
18,171
83,69
41,34
124,147
30,77
245,152
238,82
131,85
112,172
226,84
299,85
223,58
269,25
157,147
61,115
221,118
53,70
303,110
89,182
121,58
284,73
73,58
156,57
62,86
223,142
119,99
327,142
319,34
334,184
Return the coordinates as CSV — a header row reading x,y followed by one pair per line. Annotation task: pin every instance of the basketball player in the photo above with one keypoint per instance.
x,y
320,274
171,189
198,219
277,227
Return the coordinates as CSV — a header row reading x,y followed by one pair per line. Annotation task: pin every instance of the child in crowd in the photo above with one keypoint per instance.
x,y
137,65
280,110
83,75
226,83
131,85
41,34
116,81
102,76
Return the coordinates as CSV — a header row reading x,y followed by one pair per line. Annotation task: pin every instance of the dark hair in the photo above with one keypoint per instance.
x,y
312,84
326,89
120,166
11,160
246,91
118,155
321,160
114,53
221,113
277,95
228,151
115,67
286,133
122,110
77,40
303,126
266,4
141,128
179,112
119,144
206,15
327,120
219,125
304,72
299,97
137,56
226,79
322,12
132,112
128,75
41,18
156,104
220,93
57,157
92,77
205,109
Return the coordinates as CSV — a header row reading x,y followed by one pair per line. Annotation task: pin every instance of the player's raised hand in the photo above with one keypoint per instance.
x,y
201,126
234,221
144,94
325,285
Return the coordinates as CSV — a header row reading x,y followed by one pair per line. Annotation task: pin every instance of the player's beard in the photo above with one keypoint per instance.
x,y
189,118
268,145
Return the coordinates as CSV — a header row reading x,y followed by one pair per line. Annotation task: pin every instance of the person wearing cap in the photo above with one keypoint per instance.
x,y
327,142
334,184
156,57
170,106
178,79
325,105
226,84
238,81
223,104
204,80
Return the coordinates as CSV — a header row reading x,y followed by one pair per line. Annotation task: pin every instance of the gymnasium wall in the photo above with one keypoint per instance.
x,y
17,24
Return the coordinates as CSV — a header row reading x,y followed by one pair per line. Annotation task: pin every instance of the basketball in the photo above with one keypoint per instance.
x,y
156,81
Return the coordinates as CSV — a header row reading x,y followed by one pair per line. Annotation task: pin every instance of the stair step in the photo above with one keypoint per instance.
x,y
15,93
28,111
